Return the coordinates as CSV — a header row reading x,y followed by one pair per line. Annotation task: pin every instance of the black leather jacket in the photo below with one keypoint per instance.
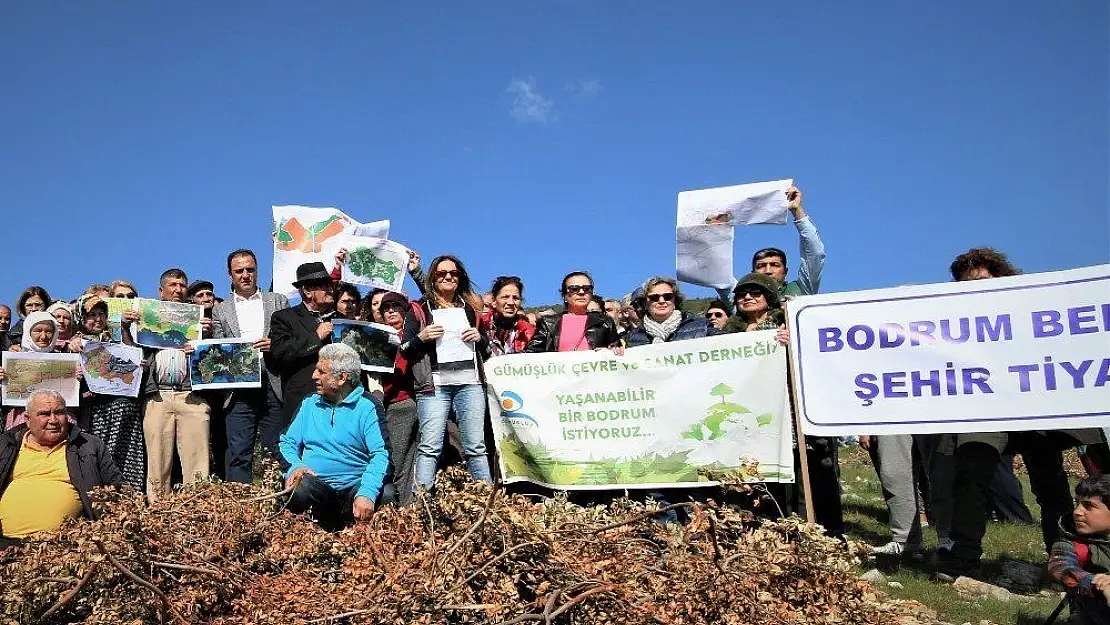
x,y
600,332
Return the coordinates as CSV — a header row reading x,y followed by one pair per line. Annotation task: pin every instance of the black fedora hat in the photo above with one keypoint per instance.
x,y
312,272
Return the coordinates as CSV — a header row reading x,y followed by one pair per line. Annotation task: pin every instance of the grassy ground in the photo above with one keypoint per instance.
x,y
865,516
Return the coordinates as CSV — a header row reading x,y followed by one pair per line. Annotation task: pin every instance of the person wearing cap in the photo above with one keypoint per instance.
x,y
114,419
297,334
771,261
253,415
175,419
758,307
399,399
203,293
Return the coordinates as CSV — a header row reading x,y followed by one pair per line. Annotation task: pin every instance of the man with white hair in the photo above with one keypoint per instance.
x,y
47,468
337,445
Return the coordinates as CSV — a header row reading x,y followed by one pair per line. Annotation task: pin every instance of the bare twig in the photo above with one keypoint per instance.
x,y
68,595
582,597
129,574
50,580
767,493
638,517
473,528
548,615
185,567
282,493
337,617
485,566
718,555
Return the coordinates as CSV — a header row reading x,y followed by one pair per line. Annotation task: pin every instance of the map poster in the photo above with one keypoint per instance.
x,y
303,234
164,324
375,344
28,372
376,263
112,368
116,306
225,363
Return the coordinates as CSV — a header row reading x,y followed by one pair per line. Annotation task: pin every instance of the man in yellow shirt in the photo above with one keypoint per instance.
x,y
47,468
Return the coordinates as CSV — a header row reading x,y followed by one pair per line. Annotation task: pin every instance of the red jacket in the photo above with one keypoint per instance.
x,y
506,341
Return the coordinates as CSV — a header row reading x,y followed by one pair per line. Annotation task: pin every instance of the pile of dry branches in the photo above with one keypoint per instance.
x,y
227,554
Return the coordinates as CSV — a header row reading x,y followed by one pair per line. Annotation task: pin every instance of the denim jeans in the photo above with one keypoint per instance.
x,y
255,414
333,509
469,404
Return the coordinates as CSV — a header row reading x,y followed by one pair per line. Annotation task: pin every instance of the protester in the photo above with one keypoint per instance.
x,y
576,329
978,454
450,385
347,299
253,415
717,314
1080,561
892,455
40,330
613,309
115,420
202,293
5,325
665,321
32,299
63,314
506,328
47,468
174,417
399,398
597,304
123,289
297,334
370,309
757,304
335,447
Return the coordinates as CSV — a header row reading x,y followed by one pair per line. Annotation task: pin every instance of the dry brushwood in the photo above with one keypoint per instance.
x,y
227,554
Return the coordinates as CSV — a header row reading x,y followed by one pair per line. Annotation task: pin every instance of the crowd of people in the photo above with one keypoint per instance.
x,y
350,441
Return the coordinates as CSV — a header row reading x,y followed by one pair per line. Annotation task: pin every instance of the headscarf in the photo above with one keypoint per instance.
x,y
60,305
85,304
40,316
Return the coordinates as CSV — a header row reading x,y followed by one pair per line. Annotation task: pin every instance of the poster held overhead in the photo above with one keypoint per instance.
x,y
373,262
304,234
705,255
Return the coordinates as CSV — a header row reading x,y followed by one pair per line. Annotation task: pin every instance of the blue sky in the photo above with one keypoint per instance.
x,y
535,138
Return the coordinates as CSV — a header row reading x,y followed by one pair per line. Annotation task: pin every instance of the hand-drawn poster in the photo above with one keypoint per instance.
x,y
164,324
225,363
304,234
376,263
704,255
112,368
28,372
376,344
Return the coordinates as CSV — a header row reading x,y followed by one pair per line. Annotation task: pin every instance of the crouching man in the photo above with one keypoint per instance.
x,y
47,468
336,446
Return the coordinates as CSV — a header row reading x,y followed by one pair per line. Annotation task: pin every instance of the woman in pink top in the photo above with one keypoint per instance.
x,y
576,329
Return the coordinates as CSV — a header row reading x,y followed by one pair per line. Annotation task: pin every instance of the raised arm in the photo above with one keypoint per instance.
x,y
812,249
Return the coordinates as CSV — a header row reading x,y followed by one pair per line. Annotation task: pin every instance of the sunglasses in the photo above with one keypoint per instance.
x,y
580,288
716,314
128,296
661,297
448,273
753,293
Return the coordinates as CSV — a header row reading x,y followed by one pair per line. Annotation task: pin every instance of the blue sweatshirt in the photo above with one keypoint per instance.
x,y
341,443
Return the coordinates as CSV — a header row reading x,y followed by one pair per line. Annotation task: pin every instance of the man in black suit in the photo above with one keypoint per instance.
x,y
298,333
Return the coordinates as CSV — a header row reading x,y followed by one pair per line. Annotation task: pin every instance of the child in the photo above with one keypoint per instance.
x,y
1081,561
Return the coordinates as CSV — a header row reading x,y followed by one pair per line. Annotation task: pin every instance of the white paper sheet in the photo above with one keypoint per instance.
x,y
304,234
738,205
28,372
704,255
374,262
450,347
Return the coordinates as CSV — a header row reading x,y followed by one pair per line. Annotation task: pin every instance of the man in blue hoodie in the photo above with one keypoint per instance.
x,y
336,446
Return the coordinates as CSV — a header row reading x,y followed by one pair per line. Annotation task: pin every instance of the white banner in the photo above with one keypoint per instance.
x,y
373,262
303,234
658,416
1027,352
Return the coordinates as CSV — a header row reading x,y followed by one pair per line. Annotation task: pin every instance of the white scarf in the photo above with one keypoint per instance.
x,y
28,344
660,332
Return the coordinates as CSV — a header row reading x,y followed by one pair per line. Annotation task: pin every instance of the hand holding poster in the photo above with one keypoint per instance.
x,y
112,368
116,306
28,372
1028,352
373,262
657,416
303,234
225,363
165,324
376,344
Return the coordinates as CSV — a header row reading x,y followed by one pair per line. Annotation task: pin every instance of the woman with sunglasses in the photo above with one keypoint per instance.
x,y
756,297
576,329
665,321
505,326
443,387
717,314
